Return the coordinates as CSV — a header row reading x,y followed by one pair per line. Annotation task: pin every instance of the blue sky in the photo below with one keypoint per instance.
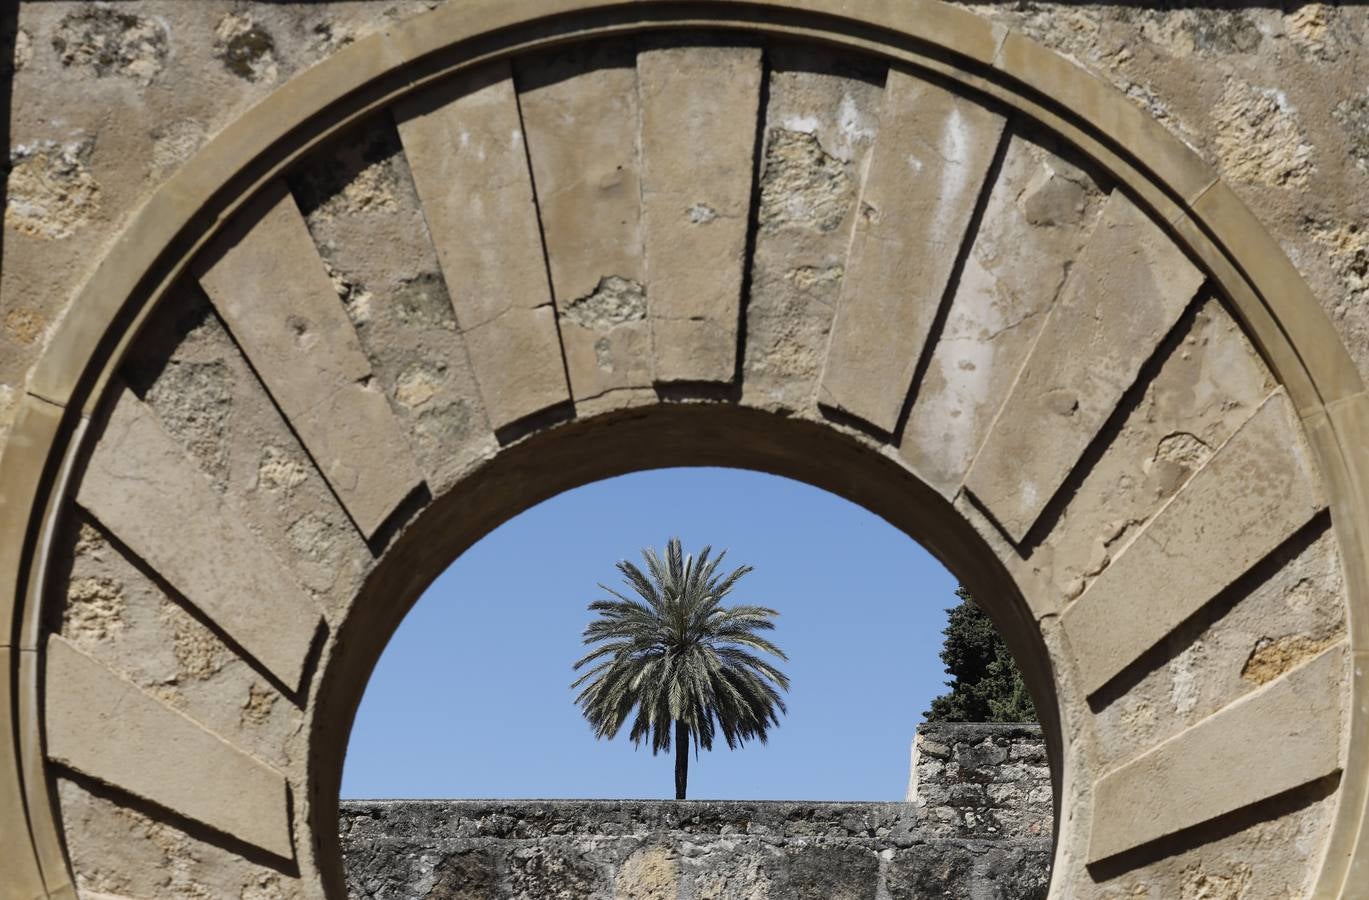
x,y
472,699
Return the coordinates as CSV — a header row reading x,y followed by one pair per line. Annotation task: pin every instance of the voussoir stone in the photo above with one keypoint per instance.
x,y
1251,496
104,726
1289,735
1036,218
271,288
464,141
1124,294
142,487
820,122
924,177
698,139
579,109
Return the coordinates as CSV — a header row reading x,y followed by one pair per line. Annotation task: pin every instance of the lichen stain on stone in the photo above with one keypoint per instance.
x,y
50,190
199,654
613,301
802,185
326,38
245,48
257,706
423,301
652,873
360,172
111,42
1224,31
279,471
24,325
806,278
1199,884
417,386
1273,657
1347,247
94,611
194,401
1259,139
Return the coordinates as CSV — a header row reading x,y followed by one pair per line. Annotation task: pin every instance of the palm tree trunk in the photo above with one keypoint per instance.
x,y
681,758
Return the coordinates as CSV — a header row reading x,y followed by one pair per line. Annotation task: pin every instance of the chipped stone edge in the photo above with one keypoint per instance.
x,y
1269,296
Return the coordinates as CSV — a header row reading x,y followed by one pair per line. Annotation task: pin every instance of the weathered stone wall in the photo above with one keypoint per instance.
x,y
977,824
210,476
664,850
1273,98
983,780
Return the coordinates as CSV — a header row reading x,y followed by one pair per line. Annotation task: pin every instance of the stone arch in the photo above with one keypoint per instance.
x,y
864,199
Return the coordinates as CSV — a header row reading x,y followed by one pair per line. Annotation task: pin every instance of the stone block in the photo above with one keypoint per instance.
x,y
829,873
1252,495
1124,294
1290,735
159,754
269,285
140,485
580,119
922,182
821,121
136,851
698,137
1038,215
465,146
358,198
1204,384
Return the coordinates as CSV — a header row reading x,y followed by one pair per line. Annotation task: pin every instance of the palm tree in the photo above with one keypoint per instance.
x,y
681,658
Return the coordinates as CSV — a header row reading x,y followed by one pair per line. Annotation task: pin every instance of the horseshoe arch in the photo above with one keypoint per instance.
x,y
890,249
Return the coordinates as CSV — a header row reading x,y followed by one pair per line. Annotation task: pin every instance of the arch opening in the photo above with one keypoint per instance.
x,y
667,435
471,696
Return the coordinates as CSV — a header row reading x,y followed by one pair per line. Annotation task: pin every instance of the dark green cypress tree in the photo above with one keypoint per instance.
x,y
985,685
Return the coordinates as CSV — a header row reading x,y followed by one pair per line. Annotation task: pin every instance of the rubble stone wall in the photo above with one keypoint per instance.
x,y
668,850
978,824
981,780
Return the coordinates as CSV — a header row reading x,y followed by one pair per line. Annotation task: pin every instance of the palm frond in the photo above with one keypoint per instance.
x,y
674,652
